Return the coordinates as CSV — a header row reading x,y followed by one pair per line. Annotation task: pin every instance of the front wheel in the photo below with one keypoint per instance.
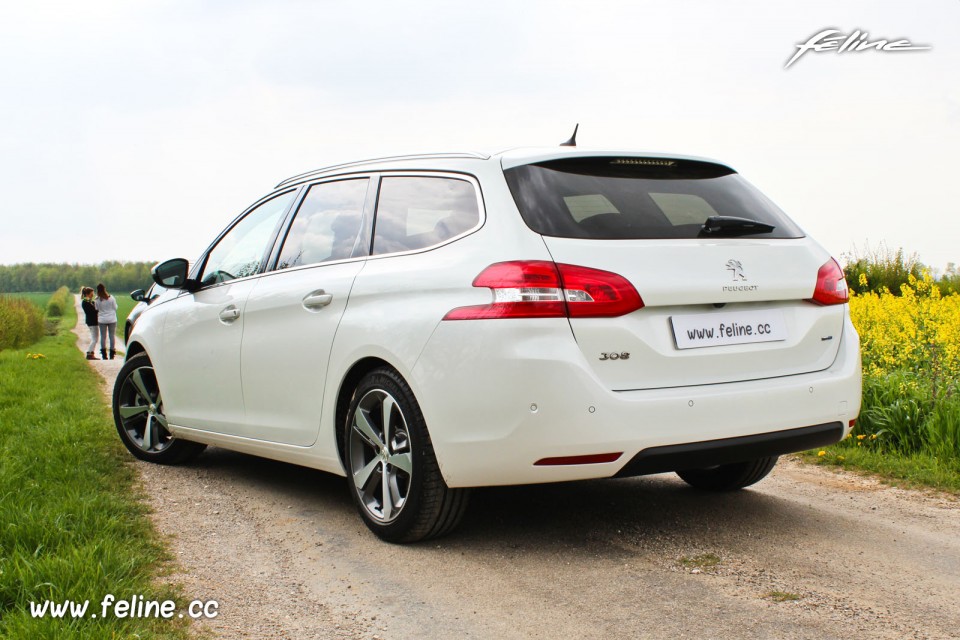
x,y
394,477
138,414
729,477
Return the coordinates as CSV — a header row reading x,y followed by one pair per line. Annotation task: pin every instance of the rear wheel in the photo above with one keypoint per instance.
x,y
138,414
729,477
394,477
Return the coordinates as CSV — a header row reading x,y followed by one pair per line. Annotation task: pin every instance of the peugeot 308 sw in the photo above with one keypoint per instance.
x,y
427,324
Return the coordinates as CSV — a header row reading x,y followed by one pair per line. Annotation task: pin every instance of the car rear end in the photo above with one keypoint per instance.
x,y
676,319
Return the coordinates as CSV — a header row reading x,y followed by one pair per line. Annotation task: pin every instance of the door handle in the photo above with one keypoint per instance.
x,y
316,300
229,314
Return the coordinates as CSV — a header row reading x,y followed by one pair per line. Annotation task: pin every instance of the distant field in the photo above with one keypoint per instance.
x,y
39,299
124,303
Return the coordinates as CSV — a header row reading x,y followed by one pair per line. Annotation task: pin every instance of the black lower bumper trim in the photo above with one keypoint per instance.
x,y
699,455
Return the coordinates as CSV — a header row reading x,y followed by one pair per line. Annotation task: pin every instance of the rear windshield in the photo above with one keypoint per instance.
x,y
637,198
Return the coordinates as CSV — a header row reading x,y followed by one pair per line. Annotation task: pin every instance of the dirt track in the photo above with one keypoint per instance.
x,y
806,553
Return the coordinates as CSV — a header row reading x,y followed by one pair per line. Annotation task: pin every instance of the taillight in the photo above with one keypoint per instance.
x,y
831,285
543,289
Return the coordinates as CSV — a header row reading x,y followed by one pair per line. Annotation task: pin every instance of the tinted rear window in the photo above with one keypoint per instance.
x,y
636,198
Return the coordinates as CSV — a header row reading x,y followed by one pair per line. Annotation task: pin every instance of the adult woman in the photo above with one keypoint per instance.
x,y
90,319
107,318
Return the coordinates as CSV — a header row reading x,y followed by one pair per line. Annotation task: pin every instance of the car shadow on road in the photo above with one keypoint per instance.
x,y
285,480
604,514
644,511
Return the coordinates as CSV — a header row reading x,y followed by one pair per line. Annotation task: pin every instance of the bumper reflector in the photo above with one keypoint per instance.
x,y
597,458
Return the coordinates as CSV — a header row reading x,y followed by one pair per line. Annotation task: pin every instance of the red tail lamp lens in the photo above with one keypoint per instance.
x,y
831,285
543,289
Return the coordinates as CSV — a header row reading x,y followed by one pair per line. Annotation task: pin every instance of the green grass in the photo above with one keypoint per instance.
x,y
909,470
71,524
21,322
907,434
58,302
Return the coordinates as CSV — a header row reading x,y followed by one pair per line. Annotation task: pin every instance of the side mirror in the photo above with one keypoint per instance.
x,y
172,274
138,295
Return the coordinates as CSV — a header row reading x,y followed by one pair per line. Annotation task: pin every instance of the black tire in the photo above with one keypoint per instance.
x,y
729,477
386,443
138,415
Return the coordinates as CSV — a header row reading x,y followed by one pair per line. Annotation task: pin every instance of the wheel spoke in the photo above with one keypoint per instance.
x,y
362,477
148,434
161,420
362,426
129,412
387,492
387,407
137,379
402,461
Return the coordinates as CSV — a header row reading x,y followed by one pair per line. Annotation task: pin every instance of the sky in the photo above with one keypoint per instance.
x,y
138,130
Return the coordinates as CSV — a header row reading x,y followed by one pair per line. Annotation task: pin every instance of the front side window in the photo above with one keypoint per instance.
x,y
240,252
327,225
418,212
609,198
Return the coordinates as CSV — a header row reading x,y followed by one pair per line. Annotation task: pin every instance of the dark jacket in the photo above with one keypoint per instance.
x,y
90,313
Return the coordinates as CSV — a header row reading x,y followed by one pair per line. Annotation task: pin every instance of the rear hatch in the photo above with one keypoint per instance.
x,y
725,277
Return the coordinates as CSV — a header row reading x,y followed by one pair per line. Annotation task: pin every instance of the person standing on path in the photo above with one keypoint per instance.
x,y
107,318
90,319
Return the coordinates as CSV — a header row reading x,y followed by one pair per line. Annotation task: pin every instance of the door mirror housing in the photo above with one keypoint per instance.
x,y
138,295
172,274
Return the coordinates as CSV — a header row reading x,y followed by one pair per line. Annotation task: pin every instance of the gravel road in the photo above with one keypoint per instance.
x,y
807,553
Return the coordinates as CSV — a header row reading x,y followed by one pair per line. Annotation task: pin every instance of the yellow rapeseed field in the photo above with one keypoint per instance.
x,y
917,331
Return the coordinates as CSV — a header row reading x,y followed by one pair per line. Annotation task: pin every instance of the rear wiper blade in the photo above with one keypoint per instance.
x,y
733,226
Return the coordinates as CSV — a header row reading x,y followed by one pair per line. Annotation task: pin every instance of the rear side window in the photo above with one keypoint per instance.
x,y
636,198
416,212
327,224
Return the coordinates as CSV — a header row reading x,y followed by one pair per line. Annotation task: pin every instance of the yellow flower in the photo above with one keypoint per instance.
x,y
841,458
821,453
861,437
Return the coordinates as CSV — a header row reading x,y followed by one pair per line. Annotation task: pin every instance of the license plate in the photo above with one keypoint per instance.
x,y
720,329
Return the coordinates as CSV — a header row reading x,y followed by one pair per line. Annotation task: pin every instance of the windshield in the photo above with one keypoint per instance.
x,y
621,198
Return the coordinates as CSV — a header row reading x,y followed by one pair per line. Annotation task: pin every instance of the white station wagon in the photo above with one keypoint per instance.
x,y
426,324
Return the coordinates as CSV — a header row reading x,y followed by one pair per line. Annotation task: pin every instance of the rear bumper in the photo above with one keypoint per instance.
x,y
499,399
697,455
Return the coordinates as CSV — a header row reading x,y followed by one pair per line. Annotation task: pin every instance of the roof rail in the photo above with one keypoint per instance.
x,y
418,156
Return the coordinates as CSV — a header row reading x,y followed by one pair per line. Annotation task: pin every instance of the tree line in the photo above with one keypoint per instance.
x,y
121,277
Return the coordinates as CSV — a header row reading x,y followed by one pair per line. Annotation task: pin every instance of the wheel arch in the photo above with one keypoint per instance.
x,y
135,348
